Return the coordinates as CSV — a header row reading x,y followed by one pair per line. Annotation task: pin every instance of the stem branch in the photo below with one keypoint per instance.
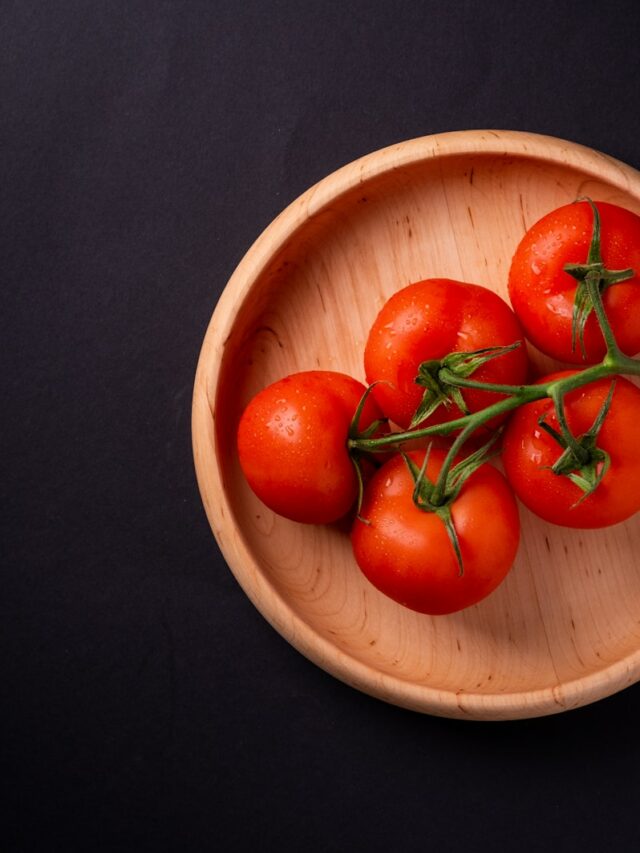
x,y
557,394
595,294
614,363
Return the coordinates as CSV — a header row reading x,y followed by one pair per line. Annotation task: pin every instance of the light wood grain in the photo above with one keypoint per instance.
x,y
564,628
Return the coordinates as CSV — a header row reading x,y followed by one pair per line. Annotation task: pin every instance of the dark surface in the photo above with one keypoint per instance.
x,y
146,703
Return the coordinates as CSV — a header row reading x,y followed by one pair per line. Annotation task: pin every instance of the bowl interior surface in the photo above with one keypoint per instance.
x,y
570,608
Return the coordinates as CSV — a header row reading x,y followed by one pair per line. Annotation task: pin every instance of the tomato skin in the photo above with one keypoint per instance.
x,y
428,320
542,293
528,452
292,444
406,552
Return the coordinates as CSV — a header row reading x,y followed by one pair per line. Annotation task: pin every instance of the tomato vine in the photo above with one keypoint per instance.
x,y
581,460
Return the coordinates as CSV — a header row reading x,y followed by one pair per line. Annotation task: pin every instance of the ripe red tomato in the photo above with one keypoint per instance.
x,y
428,320
529,452
542,293
406,552
292,444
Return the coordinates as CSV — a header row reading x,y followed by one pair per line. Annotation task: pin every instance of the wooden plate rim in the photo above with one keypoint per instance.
x,y
419,697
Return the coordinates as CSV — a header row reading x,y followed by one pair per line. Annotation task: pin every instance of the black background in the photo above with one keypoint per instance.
x,y
146,703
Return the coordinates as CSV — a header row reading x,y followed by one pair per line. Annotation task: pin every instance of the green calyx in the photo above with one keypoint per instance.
x,y
355,433
439,379
438,497
590,275
581,460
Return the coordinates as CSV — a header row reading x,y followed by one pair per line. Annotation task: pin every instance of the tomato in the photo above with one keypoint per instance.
x,y
406,552
426,321
542,293
529,452
292,444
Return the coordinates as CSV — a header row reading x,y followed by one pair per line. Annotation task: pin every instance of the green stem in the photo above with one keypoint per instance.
x,y
615,363
593,287
593,278
557,395
439,489
462,382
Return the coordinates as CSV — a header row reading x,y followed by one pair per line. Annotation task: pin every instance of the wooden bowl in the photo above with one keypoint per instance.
x,y
564,628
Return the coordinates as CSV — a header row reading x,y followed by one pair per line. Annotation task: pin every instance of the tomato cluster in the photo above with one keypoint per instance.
x,y
437,528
